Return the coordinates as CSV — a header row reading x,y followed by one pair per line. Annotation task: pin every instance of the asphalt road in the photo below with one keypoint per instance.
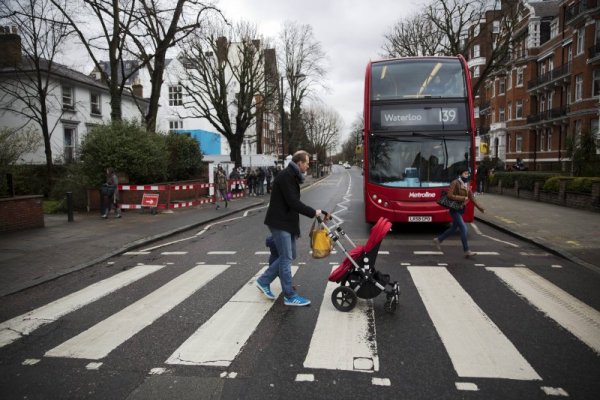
x,y
514,322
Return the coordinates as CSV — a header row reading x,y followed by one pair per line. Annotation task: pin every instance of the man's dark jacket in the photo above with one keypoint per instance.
x,y
285,206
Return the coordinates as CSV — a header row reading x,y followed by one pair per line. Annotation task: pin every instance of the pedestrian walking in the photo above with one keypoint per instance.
x,y
221,186
109,194
482,178
283,220
459,191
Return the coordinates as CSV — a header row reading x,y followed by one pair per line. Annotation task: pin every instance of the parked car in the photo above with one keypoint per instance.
x,y
347,166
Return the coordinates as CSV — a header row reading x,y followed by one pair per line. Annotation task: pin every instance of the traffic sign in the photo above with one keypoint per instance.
x,y
150,200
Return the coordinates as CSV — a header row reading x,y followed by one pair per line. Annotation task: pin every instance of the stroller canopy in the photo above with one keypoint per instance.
x,y
378,232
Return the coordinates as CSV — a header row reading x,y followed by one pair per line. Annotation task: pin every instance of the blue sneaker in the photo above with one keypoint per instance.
x,y
266,290
296,300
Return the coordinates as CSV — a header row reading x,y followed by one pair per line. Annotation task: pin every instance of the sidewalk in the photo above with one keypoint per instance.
x,y
571,233
31,257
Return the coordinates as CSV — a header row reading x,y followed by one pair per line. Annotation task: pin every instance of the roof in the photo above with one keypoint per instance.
x,y
545,8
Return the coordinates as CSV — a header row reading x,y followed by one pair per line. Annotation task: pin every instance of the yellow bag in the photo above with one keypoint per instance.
x,y
320,242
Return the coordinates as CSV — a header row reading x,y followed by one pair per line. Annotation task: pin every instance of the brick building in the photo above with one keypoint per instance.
x,y
548,89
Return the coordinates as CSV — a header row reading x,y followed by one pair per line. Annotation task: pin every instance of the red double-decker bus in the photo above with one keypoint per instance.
x,y
419,131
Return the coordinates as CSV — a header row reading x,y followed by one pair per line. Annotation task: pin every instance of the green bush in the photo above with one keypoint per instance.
x,y
54,206
127,147
581,185
185,158
526,179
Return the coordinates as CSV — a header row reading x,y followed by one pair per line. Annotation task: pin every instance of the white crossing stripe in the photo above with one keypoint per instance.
x,y
98,341
262,252
173,253
487,253
221,252
24,324
343,340
136,253
219,340
575,316
476,346
427,253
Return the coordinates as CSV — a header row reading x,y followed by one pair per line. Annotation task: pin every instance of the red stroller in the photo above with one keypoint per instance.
x,y
357,275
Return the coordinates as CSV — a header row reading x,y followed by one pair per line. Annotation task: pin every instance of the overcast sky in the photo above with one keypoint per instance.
x,y
351,33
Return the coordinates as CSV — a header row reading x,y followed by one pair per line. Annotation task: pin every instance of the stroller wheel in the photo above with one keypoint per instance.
x,y
344,298
390,306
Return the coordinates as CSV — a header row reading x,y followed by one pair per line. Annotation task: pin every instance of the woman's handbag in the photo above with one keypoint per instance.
x,y
320,242
445,201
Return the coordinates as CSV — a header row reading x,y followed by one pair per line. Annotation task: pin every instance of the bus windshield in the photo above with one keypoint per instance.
x,y
422,162
417,78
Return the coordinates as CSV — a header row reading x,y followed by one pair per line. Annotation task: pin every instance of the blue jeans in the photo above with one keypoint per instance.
x,y
457,223
285,243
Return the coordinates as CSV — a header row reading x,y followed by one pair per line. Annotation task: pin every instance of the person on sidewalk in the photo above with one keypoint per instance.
x,y
459,191
283,220
221,185
110,194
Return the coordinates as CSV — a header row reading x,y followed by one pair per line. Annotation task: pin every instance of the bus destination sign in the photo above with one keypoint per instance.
x,y
419,116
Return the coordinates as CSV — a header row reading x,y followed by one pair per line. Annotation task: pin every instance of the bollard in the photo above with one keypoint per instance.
x,y
70,206
10,185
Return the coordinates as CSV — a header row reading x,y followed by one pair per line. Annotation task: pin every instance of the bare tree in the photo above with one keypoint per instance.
x,y
16,142
413,36
228,81
447,24
102,27
28,88
159,26
302,59
322,127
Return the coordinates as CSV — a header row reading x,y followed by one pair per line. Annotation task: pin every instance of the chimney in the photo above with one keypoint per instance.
x,y
10,48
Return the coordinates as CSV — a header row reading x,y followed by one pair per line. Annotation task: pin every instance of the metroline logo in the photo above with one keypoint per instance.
x,y
419,195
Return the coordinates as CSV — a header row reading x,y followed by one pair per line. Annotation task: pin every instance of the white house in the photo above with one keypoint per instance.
x,y
76,102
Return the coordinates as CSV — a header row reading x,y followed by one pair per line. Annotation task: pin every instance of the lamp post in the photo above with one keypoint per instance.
x,y
282,112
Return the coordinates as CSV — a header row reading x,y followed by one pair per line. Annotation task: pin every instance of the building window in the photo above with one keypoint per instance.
x,y
69,144
509,111
542,104
580,40
569,53
68,98
175,95
501,86
476,51
173,125
519,77
578,87
509,143
518,143
596,83
554,28
542,141
501,114
549,140
569,96
510,80
550,100
476,72
95,101
596,133
476,30
496,27
519,109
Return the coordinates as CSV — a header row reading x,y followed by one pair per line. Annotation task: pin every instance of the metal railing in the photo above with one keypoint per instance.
x,y
556,73
548,115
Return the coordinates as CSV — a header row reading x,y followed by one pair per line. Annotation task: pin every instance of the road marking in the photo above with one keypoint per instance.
x,y
550,391
487,253
491,237
220,339
98,341
343,340
381,382
575,316
93,366
476,346
428,253
524,253
24,324
136,253
221,252
174,253
258,253
469,386
31,361
305,378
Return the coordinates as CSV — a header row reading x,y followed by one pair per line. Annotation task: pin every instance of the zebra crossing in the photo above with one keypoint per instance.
x,y
475,345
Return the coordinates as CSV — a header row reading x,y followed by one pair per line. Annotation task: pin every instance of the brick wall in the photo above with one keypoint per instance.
x,y
21,212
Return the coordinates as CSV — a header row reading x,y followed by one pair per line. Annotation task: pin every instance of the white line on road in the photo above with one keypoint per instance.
x,y
487,253
174,253
343,340
219,340
221,252
575,316
491,237
24,324
98,341
428,253
136,253
476,346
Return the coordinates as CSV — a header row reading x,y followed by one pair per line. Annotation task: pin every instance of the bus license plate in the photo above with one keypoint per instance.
x,y
419,218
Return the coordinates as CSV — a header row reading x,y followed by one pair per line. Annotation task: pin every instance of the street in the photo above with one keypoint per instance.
x,y
181,319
